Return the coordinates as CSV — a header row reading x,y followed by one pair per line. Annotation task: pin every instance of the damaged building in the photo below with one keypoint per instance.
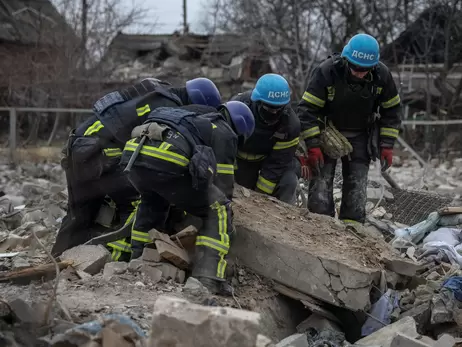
x,y
231,61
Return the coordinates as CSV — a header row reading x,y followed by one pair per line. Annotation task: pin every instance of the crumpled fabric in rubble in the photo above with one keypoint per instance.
x,y
454,284
108,330
418,231
441,247
450,236
381,311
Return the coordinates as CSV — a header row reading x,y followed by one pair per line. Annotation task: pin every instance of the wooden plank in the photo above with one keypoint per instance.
x,y
33,273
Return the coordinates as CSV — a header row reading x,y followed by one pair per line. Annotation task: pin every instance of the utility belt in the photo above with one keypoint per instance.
x,y
202,165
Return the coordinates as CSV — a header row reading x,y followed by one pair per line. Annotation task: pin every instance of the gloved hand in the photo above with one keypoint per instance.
x,y
305,169
386,158
315,160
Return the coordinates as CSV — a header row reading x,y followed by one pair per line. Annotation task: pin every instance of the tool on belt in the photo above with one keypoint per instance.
x,y
153,131
333,143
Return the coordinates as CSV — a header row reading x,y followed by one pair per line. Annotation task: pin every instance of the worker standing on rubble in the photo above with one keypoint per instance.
x,y
349,111
265,162
186,158
94,150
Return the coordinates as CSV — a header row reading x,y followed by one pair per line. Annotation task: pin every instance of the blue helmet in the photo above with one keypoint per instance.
x,y
271,89
241,117
203,91
362,50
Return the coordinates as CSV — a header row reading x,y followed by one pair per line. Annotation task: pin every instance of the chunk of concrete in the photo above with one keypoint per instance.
x,y
114,268
296,340
177,322
401,340
421,315
153,273
88,258
403,267
135,265
284,253
385,336
23,312
151,255
445,341
180,276
172,253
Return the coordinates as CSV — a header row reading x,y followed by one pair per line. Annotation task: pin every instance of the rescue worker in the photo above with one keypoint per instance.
x,y
187,160
93,153
265,162
350,90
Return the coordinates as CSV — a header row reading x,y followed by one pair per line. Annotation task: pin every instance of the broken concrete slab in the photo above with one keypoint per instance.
x,y
421,315
403,266
177,322
151,254
445,341
88,258
385,336
296,340
303,254
114,268
401,340
154,274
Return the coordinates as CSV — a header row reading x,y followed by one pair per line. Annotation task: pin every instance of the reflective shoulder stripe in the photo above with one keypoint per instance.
x,y
159,153
311,132
265,186
141,111
392,102
286,144
312,99
94,128
390,132
227,169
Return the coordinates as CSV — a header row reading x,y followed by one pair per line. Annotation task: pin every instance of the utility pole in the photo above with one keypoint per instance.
x,y
185,18
84,33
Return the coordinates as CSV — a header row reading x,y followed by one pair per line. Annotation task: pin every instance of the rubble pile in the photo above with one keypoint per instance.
x,y
299,279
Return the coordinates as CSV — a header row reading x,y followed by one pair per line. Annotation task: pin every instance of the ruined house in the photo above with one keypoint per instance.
x,y
231,61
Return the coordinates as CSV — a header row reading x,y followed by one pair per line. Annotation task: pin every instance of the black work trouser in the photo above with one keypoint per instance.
x,y
170,184
87,196
247,174
354,190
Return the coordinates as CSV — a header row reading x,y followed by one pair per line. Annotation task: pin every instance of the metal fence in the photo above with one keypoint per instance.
x,y
13,115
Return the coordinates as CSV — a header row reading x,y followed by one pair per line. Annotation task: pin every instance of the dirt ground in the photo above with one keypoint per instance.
x,y
320,235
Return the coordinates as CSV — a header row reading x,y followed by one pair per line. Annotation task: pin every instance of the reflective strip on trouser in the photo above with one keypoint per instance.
x,y
389,132
123,245
94,128
214,235
225,169
312,99
286,144
311,132
249,156
350,222
392,102
265,186
160,152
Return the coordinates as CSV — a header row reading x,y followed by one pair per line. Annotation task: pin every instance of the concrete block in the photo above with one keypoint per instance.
x,y
401,340
169,271
151,255
296,340
445,341
385,336
172,253
180,276
177,322
88,258
114,268
403,267
135,265
153,273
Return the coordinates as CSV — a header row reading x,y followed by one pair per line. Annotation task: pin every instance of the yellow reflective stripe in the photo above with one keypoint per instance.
x,y
165,145
141,111
116,254
112,152
350,221
221,265
159,154
94,128
140,236
226,169
121,245
308,97
211,243
390,132
250,156
392,102
214,126
287,144
379,90
266,186
314,131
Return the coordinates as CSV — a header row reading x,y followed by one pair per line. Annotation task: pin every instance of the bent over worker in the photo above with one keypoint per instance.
x,y
187,160
265,162
93,153
349,111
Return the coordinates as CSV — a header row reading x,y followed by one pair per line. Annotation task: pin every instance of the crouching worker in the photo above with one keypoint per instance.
x,y
186,157
93,152
266,161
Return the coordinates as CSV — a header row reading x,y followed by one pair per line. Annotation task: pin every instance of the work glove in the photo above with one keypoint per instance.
x,y
315,160
305,169
386,158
